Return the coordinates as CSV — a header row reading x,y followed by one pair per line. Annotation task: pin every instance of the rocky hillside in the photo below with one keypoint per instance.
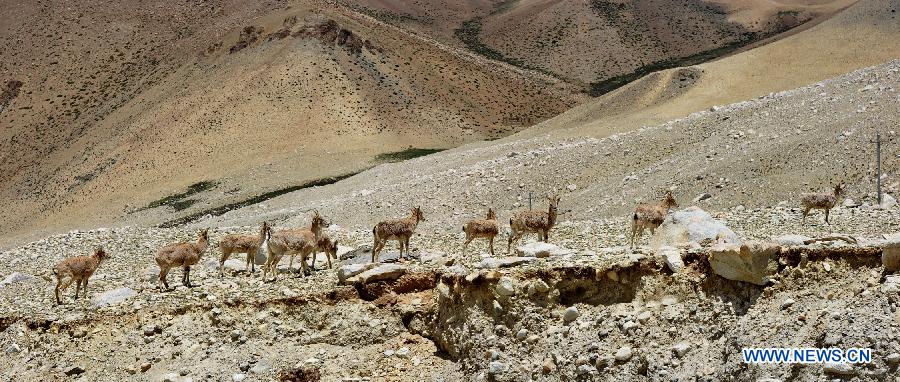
x,y
604,44
761,152
107,111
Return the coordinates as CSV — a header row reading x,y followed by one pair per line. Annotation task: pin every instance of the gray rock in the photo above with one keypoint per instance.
x,y
538,286
892,359
351,270
791,240
887,202
505,287
261,367
496,367
752,262
585,370
624,353
383,272
402,352
15,278
628,325
691,225
672,257
681,348
839,368
13,348
644,316
113,297
494,263
238,377
787,303
541,249
570,314
522,334
702,197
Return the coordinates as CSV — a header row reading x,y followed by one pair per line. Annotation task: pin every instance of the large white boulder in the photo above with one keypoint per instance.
x,y
752,262
672,257
541,249
691,225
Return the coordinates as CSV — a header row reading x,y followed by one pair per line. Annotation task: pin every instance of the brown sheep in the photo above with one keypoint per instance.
x,y
396,229
821,201
302,242
539,222
482,228
327,246
77,269
249,244
650,216
181,255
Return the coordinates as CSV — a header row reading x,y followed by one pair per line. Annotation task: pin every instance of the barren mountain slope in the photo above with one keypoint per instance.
x,y
864,34
601,44
118,109
754,153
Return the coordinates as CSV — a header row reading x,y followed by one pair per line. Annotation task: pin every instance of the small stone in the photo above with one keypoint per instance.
x,y
402,352
149,330
13,349
505,287
787,303
538,286
681,349
839,368
495,367
146,366
572,187
570,314
893,358
613,275
522,334
261,367
238,377
236,334
644,316
628,325
584,370
74,370
624,353
548,366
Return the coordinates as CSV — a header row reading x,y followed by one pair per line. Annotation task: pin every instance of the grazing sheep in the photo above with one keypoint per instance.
x,y
249,244
302,242
650,216
181,255
77,269
822,201
396,229
538,222
482,228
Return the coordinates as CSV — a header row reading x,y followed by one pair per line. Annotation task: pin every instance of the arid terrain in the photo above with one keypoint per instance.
x,y
131,126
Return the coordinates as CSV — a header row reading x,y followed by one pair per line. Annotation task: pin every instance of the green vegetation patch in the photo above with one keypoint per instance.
x,y
253,200
182,201
410,153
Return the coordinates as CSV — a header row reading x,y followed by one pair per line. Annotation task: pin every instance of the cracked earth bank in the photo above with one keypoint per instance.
x,y
596,312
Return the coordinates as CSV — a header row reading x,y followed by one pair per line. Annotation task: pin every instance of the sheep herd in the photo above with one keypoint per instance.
x,y
308,242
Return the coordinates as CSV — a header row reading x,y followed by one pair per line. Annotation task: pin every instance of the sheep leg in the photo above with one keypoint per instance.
x,y
77,288
85,288
805,212
62,289
222,260
491,244
56,291
314,255
162,278
249,267
826,216
466,244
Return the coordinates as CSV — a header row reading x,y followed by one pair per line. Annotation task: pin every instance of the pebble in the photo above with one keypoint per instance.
x,y
495,367
787,303
624,353
522,334
681,348
238,377
893,358
548,366
570,314
839,368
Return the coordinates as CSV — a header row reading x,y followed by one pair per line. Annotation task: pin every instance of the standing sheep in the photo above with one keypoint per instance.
x,y
77,269
181,255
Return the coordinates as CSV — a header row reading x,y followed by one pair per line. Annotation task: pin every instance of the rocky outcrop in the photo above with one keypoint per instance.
x,y
541,249
890,256
692,226
752,262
